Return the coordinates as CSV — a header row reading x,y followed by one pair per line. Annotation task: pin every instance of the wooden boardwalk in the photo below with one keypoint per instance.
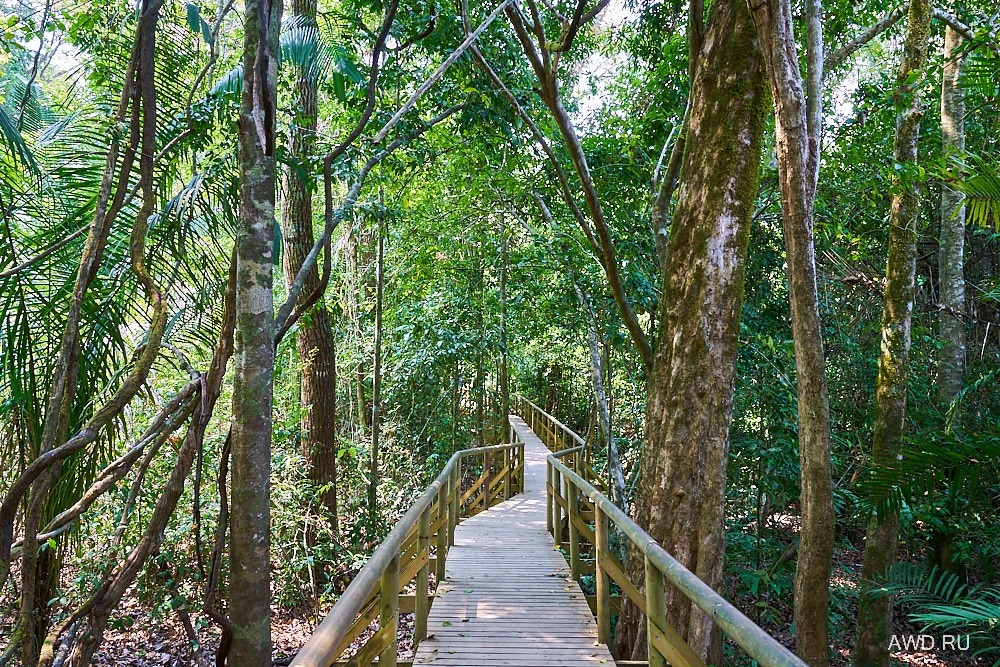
x,y
508,598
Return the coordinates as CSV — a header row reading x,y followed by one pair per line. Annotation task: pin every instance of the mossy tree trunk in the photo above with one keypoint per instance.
x,y
875,614
315,339
681,494
253,380
797,142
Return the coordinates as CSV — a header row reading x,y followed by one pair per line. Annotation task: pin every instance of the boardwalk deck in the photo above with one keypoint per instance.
x,y
508,598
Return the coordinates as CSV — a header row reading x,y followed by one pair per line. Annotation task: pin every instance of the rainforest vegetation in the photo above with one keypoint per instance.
x,y
265,266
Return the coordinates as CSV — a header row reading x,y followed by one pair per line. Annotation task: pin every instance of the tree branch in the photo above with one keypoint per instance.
x,y
837,57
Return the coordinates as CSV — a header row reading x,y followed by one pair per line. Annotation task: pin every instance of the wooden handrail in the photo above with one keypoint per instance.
x,y
374,592
568,480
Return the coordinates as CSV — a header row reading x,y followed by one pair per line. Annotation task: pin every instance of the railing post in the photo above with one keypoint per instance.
x,y
389,612
556,508
487,478
656,612
442,532
550,501
601,575
423,550
456,496
573,506
507,463
521,463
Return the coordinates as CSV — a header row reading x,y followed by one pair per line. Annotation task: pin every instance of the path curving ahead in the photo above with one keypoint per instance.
x,y
508,598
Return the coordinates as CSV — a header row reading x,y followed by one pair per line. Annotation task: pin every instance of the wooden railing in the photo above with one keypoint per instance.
x,y
574,496
404,557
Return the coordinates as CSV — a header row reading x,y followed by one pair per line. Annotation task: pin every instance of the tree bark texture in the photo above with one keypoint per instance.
x,y
680,499
797,146
315,340
951,363
875,614
253,381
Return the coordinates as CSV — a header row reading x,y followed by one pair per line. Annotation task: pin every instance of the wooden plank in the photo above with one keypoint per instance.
x,y
508,598
672,647
617,572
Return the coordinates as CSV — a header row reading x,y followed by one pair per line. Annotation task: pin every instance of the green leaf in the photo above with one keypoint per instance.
x,y
193,16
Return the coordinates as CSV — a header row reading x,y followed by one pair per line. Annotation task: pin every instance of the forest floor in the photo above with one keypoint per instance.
x,y
846,574
135,639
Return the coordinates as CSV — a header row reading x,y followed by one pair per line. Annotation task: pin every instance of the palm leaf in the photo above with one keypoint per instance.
x,y
14,143
978,178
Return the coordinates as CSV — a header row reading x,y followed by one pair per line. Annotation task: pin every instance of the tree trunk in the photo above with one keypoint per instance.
x,y
951,271
680,500
951,363
315,340
376,422
253,380
875,614
504,378
601,401
797,168
354,286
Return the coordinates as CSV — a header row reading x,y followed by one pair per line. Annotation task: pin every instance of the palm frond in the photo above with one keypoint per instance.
x,y
978,178
946,463
939,600
14,143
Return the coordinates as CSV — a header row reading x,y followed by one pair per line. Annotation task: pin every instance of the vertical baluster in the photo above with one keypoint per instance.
x,y
389,612
656,613
601,576
422,606
573,505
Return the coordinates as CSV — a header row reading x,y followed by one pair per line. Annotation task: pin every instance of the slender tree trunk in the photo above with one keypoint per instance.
x,y
797,169
951,270
377,381
354,286
456,389
951,363
875,614
504,379
681,496
315,339
601,400
253,380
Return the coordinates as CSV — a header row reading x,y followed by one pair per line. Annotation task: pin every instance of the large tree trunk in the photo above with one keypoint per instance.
x,y
951,363
315,340
875,614
798,160
253,380
681,496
